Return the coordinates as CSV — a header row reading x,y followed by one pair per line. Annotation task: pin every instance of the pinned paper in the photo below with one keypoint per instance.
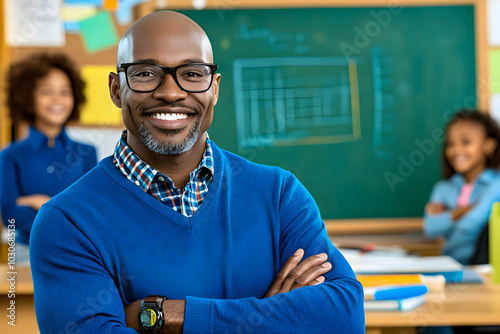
x,y
493,13
99,109
110,4
199,4
34,23
494,71
495,107
124,14
72,27
78,13
98,32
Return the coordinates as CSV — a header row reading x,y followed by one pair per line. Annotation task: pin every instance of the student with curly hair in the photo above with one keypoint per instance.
x,y
460,204
46,91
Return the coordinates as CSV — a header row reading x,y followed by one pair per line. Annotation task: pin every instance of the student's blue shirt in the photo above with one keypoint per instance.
x,y
104,243
32,166
461,235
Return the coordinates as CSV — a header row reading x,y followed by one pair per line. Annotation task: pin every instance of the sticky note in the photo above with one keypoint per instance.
x,y
99,110
78,13
98,32
495,71
84,2
110,4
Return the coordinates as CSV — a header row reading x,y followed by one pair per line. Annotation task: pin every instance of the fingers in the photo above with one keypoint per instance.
x,y
290,264
311,268
312,276
316,281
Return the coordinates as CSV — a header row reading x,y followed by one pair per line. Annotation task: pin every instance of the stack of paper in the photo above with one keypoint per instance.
x,y
393,293
430,265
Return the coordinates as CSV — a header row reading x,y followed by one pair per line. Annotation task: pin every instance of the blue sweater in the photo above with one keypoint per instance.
x,y
104,243
32,167
461,235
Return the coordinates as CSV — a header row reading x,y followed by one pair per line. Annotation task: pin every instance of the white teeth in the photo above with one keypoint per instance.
x,y
56,109
169,117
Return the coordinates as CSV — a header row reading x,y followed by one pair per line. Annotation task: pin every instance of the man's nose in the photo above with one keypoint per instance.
x,y
169,90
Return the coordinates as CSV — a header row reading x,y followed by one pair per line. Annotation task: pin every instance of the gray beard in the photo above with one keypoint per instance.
x,y
169,147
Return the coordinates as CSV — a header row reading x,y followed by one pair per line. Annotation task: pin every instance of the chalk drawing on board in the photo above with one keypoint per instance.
x,y
384,112
288,101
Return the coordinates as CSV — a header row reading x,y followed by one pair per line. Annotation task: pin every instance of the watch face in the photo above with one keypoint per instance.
x,y
148,318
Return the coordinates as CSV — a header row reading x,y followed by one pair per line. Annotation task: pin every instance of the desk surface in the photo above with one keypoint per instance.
x,y
23,281
458,305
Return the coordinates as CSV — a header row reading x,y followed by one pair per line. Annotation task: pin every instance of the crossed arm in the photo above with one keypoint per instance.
x,y
434,208
297,301
293,275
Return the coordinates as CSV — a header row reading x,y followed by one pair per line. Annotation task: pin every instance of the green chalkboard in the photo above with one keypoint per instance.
x,y
351,100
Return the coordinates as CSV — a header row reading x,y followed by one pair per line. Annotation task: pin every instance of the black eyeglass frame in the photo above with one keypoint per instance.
x,y
168,70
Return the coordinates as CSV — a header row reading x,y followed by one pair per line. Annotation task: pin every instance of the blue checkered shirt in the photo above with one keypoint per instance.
x,y
160,186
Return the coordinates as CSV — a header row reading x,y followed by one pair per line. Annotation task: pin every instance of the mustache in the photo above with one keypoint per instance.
x,y
146,109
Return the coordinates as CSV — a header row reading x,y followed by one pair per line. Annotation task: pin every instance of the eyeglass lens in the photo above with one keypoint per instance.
x,y
145,77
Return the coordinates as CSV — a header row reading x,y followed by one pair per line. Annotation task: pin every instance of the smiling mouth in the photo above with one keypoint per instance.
x,y
460,159
57,109
169,116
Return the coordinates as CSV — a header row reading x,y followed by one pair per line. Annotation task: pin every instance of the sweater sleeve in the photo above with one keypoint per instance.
x,y
335,306
9,192
462,240
73,291
440,224
91,159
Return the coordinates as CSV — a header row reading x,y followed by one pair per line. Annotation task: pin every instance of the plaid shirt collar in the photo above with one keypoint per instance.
x,y
146,177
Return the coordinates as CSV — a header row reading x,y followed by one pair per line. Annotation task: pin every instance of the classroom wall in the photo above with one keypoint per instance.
x,y
101,128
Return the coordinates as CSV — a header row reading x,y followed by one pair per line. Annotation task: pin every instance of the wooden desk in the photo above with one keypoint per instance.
x,y
457,305
25,307
406,233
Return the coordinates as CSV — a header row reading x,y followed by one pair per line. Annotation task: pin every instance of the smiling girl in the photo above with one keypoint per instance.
x,y
459,205
46,91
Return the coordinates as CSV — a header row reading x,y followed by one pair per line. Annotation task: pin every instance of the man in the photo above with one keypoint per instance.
x,y
200,232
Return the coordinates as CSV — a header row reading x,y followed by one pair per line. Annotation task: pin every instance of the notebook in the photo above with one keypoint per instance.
x,y
405,304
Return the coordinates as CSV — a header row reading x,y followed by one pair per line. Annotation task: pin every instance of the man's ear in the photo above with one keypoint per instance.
x,y
215,87
114,89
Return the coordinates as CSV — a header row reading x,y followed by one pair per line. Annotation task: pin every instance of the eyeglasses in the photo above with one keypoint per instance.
x,y
145,77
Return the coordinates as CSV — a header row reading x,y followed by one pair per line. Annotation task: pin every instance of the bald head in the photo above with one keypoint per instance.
x,y
174,29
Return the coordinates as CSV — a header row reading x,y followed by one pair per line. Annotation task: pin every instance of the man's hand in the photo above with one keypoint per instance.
x,y
33,201
433,208
132,315
294,275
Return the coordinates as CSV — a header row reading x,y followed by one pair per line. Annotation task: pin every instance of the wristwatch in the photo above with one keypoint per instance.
x,y
151,315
